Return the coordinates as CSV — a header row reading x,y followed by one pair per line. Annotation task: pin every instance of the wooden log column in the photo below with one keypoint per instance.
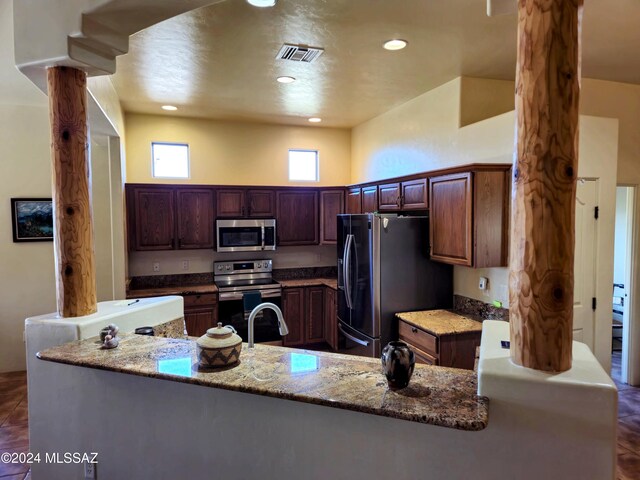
x,y
544,188
71,183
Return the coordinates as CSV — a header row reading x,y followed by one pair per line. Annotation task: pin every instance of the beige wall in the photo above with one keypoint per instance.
x,y
423,134
235,153
481,99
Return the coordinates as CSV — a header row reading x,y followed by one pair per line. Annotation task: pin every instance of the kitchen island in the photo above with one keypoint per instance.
x,y
149,412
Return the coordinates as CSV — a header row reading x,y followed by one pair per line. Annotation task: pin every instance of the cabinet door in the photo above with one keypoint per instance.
x,y
195,218
314,318
389,197
297,217
331,204
199,320
230,203
293,311
370,199
354,200
414,194
450,218
330,318
153,218
261,203
491,218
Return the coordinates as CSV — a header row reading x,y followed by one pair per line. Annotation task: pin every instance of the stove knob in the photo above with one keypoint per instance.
x,y
258,265
228,267
219,267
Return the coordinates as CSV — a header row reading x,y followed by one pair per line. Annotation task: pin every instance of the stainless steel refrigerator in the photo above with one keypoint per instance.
x,y
384,268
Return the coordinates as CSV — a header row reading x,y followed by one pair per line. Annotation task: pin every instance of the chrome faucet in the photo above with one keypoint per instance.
x,y
282,326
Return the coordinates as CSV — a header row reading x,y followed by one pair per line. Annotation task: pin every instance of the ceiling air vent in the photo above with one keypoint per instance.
x,y
299,53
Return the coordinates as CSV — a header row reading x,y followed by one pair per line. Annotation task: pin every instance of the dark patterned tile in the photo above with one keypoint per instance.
x,y
12,376
628,466
14,436
20,416
629,433
13,386
8,404
628,402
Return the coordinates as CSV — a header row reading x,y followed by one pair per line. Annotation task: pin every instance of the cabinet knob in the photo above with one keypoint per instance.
x,y
414,329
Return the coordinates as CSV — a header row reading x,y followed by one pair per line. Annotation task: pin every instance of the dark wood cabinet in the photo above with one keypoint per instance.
x,y
405,196
331,205
260,203
152,218
354,200
194,209
200,313
331,318
414,194
314,318
468,220
230,202
455,350
370,199
297,217
293,311
389,196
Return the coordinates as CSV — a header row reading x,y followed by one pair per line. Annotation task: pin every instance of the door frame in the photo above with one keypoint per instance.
x,y
630,360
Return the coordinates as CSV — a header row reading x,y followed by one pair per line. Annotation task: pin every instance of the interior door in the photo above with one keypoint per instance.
x,y
585,262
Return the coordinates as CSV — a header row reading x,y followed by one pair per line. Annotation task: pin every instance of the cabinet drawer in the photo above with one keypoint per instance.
x,y
200,299
421,339
423,357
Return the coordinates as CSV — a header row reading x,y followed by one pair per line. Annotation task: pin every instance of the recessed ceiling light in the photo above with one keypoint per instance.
x,y
262,3
171,108
315,120
395,44
286,79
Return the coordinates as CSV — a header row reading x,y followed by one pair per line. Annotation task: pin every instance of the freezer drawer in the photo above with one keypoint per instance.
x,y
353,342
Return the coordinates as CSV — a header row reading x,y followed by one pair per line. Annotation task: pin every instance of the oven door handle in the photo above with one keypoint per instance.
x,y
262,234
229,296
364,343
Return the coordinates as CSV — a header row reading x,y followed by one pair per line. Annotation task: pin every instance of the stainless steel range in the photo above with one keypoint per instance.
x,y
247,277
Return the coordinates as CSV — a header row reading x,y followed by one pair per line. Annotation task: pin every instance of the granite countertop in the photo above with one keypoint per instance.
x,y
310,282
436,395
177,290
441,322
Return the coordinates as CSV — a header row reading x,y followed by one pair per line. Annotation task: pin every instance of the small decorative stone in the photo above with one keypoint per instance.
x,y
109,337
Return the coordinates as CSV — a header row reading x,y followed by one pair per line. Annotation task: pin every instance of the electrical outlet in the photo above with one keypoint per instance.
x,y
185,264
156,266
90,471
482,284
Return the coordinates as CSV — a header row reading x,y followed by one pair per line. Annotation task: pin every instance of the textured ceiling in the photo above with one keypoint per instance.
x,y
219,61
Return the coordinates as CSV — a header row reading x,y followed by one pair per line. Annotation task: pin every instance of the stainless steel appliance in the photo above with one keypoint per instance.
x,y
244,235
384,268
233,280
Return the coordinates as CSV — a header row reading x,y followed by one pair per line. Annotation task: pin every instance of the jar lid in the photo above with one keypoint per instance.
x,y
220,331
219,337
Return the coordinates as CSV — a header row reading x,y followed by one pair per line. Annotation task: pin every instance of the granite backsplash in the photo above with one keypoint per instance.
x,y
479,310
305,272
177,280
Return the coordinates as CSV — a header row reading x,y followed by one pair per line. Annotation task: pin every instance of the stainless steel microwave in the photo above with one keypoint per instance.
x,y
245,235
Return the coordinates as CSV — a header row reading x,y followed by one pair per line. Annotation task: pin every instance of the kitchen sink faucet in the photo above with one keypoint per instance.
x,y
282,326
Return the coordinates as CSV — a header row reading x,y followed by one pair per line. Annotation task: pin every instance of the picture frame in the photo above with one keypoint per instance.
x,y
32,219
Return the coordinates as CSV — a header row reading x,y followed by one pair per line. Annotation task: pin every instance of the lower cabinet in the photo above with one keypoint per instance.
x,y
456,350
310,313
200,313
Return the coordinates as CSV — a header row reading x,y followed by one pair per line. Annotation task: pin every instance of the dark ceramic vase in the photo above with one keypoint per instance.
x,y
398,362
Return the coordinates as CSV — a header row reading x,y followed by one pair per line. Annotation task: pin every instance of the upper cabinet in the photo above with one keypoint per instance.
x,y
370,199
194,208
331,205
241,202
162,217
297,217
405,196
468,218
354,200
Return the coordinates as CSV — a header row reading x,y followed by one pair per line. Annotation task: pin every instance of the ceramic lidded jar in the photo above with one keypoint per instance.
x,y
219,347
398,362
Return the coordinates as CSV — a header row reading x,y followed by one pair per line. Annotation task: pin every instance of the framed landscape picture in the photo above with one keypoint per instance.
x,y
32,219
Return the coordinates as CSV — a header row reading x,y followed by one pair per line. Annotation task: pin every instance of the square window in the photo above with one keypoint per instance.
x,y
170,160
303,165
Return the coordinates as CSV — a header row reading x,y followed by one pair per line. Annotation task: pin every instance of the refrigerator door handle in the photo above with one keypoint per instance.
x,y
352,338
347,271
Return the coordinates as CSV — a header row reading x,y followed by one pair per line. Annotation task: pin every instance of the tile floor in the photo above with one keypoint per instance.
x,y
14,435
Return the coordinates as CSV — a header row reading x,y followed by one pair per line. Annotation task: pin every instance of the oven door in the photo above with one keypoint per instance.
x,y
239,235
265,327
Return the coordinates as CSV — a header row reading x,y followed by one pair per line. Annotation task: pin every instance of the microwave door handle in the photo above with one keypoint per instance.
x,y
352,338
262,233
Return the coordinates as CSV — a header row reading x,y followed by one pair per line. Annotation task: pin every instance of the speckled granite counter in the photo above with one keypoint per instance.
x,y
178,290
310,282
438,396
441,322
